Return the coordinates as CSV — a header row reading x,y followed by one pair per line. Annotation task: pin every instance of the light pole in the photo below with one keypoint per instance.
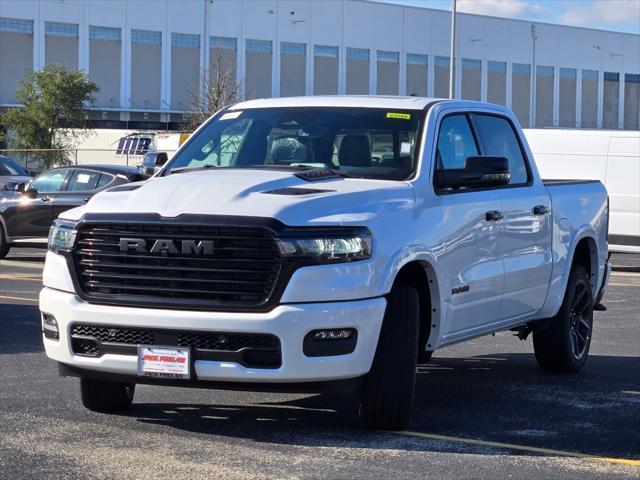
x,y
452,59
532,99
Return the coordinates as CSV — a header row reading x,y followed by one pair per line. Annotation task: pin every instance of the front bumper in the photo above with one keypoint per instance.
x,y
290,323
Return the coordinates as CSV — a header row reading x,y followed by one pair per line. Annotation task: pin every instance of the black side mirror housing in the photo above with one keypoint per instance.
x,y
482,171
153,162
20,187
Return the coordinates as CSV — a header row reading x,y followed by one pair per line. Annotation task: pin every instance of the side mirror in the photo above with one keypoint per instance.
x,y
20,187
153,161
478,172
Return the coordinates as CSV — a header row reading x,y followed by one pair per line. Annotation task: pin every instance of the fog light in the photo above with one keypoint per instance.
x,y
50,327
327,342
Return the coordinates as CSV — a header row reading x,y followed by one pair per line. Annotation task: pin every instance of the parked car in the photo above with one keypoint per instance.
x,y
611,156
11,174
27,212
276,250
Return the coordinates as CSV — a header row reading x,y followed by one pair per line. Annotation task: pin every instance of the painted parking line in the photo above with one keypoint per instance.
x,y
22,299
522,448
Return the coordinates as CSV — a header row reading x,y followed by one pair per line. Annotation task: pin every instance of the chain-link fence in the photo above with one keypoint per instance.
x,y
36,160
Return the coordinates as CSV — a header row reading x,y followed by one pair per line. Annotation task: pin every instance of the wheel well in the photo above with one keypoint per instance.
x,y
585,255
414,274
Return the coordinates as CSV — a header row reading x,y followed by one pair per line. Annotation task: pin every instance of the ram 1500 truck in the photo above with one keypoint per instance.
x,y
309,243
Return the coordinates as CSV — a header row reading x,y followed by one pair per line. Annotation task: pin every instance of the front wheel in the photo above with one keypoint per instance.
x,y
106,397
387,391
4,244
563,347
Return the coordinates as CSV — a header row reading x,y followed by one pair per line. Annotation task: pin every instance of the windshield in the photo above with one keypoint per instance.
x,y
357,142
9,167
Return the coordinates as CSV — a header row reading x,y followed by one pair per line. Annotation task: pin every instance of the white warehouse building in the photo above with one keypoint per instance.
x,y
147,55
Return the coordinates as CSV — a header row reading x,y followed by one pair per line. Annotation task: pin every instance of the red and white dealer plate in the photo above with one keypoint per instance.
x,y
164,362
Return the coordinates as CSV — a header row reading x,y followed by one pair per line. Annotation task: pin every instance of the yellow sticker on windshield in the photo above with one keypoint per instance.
x,y
401,116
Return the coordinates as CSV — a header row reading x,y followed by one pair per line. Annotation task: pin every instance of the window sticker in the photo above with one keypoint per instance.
x,y
405,148
401,116
231,115
83,178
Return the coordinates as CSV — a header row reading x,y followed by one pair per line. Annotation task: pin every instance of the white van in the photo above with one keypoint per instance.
x,y
613,157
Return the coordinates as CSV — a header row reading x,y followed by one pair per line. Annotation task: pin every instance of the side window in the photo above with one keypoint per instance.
x,y
83,181
498,139
51,181
105,179
455,143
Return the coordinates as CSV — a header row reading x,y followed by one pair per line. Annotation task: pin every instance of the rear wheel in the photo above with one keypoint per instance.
x,y
387,391
4,244
563,347
106,397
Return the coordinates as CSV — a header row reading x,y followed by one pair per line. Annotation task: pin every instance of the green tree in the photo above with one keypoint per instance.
x,y
53,115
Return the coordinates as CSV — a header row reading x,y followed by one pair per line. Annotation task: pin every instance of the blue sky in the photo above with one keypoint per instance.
x,y
616,15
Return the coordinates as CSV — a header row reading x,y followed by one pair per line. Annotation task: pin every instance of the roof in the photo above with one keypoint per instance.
x,y
354,101
106,168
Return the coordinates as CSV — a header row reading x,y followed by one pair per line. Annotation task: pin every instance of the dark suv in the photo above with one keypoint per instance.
x,y
26,213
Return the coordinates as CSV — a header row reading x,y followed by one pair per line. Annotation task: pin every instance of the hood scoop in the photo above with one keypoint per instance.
x,y
297,191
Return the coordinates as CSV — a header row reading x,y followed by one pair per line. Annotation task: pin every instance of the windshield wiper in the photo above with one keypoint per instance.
x,y
186,169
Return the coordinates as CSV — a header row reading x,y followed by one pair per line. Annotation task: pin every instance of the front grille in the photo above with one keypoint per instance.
x,y
239,271
257,350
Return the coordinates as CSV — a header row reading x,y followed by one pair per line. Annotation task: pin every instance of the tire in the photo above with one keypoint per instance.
x,y
4,245
106,397
387,391
563,347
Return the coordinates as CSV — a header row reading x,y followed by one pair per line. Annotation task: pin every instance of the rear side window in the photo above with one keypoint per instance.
x,y
455,143
83,181
105,179
498,139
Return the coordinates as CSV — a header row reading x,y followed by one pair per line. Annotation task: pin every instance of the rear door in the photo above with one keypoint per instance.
x,y
473,268
525,229
82,185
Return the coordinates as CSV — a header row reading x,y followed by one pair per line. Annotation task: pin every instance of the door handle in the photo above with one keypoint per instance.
x,y
493,216
540,210
86,199
44,199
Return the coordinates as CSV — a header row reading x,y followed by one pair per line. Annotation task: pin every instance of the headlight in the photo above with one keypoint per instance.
x,y
62,235
327,247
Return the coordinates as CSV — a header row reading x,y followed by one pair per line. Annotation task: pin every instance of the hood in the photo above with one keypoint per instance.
x,y
7,182
259,193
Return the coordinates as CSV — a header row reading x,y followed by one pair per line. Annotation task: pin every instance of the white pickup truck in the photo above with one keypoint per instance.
x,y
303,244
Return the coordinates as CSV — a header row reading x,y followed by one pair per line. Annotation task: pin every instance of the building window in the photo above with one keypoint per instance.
x,y
417,74
358,71
589,100
16,55
631,101
441,66
259,68
471,79
227,43
521,92
568,77
293,69
146,69
104,33
185,69
497,82
61,44
16,25
104,64
388,73
146,36
544,96
611,100
325,70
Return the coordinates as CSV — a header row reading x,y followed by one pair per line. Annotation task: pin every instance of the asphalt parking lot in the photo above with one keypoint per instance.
x,y
483,410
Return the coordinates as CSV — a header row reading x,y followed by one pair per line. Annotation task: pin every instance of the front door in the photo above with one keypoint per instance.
x,y
473,268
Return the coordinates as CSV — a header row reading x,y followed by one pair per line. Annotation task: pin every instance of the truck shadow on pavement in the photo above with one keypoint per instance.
x,y
20,328
502,398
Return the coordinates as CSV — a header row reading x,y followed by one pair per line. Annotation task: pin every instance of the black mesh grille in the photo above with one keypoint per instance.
x,y
259,350
239,270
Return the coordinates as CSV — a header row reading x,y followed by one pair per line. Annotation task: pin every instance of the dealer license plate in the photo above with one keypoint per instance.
x,y
164,362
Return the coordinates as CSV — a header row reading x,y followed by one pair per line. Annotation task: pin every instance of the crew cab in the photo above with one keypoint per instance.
x,y
314,243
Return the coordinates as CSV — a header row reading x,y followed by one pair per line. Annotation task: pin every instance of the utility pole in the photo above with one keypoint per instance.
x,y
452,59
532,100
